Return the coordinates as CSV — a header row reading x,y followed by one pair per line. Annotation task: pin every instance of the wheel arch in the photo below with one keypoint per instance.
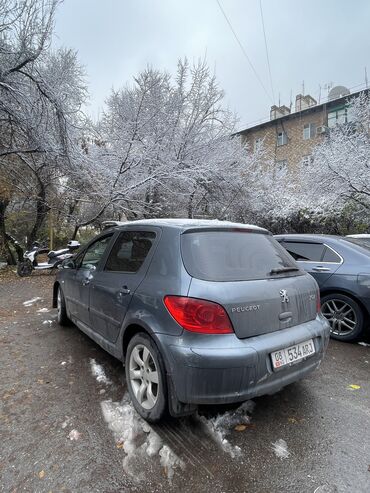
x,y
130,331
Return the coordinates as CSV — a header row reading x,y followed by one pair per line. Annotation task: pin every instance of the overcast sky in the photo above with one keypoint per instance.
x,y
315,41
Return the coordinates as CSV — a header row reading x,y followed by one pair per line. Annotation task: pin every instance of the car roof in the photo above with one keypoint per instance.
x,y
184,224
301,236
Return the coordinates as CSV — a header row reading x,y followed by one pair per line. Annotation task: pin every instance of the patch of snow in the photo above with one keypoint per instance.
x,y
43,310
63,363
47,322
280,449
66,423
32,301
141,444
364,344
98,372
169,461
221,425
74,435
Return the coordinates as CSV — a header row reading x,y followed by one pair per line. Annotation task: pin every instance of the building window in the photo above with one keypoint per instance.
x,y
282,138
338,116
257,144
309,131
307,160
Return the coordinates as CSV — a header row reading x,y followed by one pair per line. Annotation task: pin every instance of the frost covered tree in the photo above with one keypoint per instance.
x,y
165,147
41,94
340,171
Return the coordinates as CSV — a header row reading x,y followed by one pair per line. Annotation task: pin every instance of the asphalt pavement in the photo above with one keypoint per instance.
x,y
66,423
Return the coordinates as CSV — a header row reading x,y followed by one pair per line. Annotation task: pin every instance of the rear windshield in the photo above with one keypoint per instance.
x,y
234,256
362,242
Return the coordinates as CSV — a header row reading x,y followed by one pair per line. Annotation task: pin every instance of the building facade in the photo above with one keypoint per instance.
x,y
289,137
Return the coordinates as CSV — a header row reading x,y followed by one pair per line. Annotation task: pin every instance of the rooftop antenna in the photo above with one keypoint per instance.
x,y
291,102
328,86
303,88
279,99
366,81
319,93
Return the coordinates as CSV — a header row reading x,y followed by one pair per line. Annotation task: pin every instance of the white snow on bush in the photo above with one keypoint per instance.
x,y
280,449
31,302
141,444
98,372
221,425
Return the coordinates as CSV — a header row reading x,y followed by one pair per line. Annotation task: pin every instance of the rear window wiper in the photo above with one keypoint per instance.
x,y
283,269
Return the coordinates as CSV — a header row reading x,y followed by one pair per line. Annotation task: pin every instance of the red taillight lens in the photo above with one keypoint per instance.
x,y
198,315
318,302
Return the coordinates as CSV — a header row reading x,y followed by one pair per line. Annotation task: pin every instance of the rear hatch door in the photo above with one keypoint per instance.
x,y
252,277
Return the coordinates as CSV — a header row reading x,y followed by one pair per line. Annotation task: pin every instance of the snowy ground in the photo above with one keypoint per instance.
x,y
66,423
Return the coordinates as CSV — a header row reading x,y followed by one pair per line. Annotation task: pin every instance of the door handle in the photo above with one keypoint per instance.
x,y
321,269
124,290
87,280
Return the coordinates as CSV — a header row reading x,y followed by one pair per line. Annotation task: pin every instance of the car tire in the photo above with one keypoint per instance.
x,y
61,308
24,269
146,378
344,315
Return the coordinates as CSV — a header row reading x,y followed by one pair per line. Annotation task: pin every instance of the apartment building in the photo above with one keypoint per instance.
x,y
290,136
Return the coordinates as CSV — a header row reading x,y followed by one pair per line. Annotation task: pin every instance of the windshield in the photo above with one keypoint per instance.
x,y
235,256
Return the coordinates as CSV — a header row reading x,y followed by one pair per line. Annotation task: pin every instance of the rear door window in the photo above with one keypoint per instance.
x,y
305,251
129,251
233,256
331,256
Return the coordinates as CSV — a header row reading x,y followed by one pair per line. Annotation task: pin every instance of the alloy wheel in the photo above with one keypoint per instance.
x,y
143,374
340,315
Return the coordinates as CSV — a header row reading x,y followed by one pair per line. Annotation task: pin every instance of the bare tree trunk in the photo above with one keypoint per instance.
x,y
41,212
77,227
190,205
5,251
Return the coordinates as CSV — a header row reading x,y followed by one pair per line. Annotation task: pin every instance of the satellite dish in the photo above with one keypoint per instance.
x,y
338,92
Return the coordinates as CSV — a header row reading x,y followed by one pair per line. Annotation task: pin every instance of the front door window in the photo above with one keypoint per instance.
x,y
94,253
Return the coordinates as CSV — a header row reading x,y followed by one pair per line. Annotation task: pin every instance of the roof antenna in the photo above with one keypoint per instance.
x,y
303,88
319,93
279,99
291,102
366,81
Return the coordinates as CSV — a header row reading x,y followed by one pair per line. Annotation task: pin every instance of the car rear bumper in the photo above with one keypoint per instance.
x,y
223,369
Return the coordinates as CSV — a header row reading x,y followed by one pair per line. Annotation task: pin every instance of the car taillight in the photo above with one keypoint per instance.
x,y
198,315
318,301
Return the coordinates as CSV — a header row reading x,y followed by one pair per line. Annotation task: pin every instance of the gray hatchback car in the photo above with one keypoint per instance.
x,y
199,312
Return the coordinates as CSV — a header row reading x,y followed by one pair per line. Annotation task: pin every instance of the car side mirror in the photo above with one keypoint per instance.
x,y
68,263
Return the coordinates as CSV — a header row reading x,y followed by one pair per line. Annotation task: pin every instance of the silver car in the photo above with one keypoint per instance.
x,y
199,312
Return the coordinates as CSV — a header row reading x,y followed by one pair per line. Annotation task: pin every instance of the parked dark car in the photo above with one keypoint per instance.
x,y
200,312
341,266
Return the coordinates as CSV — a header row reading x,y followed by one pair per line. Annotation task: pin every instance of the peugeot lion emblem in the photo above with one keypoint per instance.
x,y
284,296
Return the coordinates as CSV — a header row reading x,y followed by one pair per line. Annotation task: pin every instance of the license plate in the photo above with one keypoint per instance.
x,y
292,354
